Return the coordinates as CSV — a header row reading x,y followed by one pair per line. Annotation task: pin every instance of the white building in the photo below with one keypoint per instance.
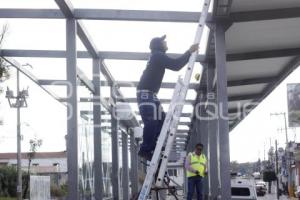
x,y
44,163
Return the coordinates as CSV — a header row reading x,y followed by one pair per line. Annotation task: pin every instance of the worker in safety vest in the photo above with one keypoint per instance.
x,y
195,170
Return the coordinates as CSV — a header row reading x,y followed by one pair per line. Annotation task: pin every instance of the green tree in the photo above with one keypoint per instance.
x,y
34,145
8,181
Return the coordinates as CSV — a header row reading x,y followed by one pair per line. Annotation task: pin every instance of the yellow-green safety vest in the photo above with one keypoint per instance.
x,y
197,163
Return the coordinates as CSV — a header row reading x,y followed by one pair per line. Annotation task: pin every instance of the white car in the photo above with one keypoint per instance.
x,y
261,188
243,189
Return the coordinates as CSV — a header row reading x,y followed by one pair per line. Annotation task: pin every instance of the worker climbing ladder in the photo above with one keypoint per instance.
x,y
157,168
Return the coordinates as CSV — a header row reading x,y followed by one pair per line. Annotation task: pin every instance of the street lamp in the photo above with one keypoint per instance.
x,y
285,126
18,102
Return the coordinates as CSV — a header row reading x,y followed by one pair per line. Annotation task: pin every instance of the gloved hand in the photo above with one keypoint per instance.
x,y
197,173
194,48
205,173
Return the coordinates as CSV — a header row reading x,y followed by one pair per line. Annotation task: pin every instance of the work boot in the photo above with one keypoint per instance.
x,y
146,155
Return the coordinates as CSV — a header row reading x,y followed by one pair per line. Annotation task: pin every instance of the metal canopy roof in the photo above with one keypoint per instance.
x,y
262,44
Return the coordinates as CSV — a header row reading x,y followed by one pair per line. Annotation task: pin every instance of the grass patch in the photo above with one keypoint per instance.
x,y
7,198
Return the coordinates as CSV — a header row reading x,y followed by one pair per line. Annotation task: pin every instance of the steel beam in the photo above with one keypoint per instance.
x,y
272,53
33,78
146,15
170,85
165,85
244,97
251,81
114,55
138,55
85,80
272,14
222,96
72,108
98,176
163,101
31,13
67,9
102,14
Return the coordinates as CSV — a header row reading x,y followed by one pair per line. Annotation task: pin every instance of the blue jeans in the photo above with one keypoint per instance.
x,y
153,117
194,182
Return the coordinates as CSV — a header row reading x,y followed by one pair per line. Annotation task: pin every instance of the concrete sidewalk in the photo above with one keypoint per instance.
x,y
273,197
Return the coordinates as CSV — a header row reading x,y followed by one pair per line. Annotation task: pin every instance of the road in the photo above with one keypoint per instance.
x,y
272,197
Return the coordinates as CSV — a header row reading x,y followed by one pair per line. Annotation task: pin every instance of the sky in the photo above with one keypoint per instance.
x,y
45,117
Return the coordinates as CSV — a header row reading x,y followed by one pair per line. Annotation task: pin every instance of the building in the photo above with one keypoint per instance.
x,y
53,164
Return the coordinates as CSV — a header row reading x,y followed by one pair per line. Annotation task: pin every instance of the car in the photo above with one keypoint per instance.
x,y
261,188
243,189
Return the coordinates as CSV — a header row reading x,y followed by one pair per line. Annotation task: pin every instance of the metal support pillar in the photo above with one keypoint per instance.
x,y
202,128
134,164
125,179
19,159
98,182
72,110
222,102
193,136
115,149
213,171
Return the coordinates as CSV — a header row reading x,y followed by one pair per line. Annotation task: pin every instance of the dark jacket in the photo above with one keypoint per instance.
x,y
152,76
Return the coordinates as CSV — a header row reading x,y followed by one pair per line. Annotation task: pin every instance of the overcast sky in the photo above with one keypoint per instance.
x,y
46,117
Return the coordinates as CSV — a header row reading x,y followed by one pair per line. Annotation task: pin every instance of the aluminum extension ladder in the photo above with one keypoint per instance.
x,y
168,131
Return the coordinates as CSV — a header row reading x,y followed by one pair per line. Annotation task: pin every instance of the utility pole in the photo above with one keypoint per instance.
x,y
276,161
20,102
287,149
19,170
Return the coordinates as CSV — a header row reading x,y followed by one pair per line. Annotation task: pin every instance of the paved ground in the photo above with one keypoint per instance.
x,y
272,197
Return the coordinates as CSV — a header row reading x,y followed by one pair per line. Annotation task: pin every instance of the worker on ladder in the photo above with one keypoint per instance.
x,y
149,106
196,165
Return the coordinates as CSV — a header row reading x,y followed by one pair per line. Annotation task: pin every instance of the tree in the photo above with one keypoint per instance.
x,y
4,71
34,145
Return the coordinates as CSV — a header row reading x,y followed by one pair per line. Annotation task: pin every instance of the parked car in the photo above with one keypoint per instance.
x,y
243,189
256,175
261,188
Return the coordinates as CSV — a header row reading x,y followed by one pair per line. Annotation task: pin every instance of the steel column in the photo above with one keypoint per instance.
x,y
222,102
213,171
125,178
202,128
19,158
98,182
72,110
115,150
134,164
